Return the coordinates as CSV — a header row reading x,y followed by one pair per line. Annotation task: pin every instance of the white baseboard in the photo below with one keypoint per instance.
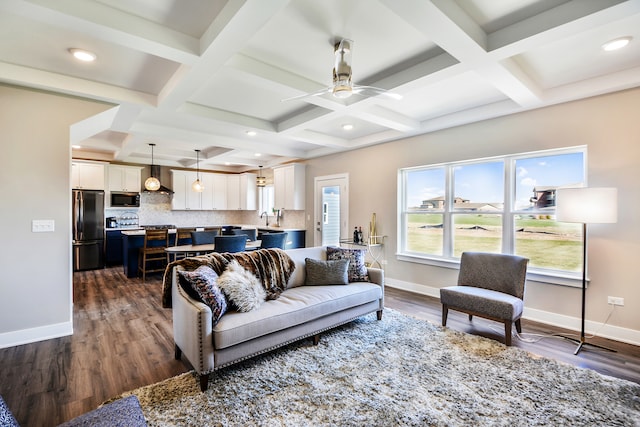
x,y
629,336
27,336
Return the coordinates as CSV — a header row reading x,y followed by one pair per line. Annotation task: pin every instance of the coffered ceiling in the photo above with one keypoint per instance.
x,y
195,74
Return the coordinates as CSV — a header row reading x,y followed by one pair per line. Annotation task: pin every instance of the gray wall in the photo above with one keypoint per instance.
x,y
35,285
608,125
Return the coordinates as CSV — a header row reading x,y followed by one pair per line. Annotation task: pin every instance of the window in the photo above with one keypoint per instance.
x,y
504,204
265,200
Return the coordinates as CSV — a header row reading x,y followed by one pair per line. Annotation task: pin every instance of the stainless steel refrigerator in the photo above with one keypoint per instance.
x,y
88,229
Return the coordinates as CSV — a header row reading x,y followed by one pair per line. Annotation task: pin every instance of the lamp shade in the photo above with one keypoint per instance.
x,y
587,205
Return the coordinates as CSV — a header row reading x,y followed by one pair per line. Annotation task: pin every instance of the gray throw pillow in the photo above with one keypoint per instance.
x,y
331,272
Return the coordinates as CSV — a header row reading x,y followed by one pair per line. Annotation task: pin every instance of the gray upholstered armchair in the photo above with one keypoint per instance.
x,y
489,286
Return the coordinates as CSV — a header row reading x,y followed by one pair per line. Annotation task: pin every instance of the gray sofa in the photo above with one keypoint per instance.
x,y
301,311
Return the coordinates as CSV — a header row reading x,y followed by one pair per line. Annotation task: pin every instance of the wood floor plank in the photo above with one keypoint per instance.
x,y
123,339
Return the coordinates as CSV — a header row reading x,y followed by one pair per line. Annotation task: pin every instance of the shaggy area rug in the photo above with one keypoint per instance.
x,y
398,371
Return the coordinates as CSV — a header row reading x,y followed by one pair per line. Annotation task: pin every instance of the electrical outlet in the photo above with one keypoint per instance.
x,y
384,262
615,300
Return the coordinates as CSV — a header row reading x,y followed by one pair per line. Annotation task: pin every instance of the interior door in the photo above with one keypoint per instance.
x,y
331,209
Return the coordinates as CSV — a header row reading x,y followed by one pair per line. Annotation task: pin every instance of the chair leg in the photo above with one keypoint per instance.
x,y
518,326
379,314
507,332
445,312
470,317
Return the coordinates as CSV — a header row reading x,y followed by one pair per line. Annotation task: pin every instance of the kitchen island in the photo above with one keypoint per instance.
x,y
133,240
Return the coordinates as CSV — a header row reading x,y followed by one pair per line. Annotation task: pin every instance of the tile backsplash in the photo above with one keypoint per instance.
x,y
156,209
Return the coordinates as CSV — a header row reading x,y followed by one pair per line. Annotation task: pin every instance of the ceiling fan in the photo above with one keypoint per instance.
x,y
343,86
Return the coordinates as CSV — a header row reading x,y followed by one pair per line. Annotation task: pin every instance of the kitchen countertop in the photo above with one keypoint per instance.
x,y
140,231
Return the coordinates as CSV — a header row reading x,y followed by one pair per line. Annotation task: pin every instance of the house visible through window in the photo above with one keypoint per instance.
x,y
504,205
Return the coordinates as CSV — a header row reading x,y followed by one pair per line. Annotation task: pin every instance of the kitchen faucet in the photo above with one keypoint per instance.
x,y
266,219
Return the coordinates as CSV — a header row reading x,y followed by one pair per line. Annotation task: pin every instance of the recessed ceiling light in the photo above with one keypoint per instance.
x,y
616,44
83,55
347,126
251,133
258,154
76,147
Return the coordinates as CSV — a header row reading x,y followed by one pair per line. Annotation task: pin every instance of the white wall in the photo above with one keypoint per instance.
x,y
608,125
35,164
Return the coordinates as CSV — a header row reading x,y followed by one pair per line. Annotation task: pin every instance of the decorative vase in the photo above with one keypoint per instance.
x,y
373,236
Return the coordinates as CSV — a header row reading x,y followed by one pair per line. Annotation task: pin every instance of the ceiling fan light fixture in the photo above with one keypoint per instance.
x,y
83,55
152,183
342,91
616,44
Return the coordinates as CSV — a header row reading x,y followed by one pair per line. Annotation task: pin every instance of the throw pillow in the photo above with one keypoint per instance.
x,y
331,272
202,285
357,267
242,288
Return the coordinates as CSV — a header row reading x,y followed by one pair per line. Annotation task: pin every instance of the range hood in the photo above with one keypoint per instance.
x,y
155,171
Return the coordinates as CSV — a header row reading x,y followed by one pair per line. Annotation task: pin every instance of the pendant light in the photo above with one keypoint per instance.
x,y
261,181
152,183
197,184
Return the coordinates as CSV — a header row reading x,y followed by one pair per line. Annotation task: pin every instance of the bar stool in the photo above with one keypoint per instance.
x,y
182,234
153,251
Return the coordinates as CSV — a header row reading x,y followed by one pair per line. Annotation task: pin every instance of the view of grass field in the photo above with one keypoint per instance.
x,y
548,244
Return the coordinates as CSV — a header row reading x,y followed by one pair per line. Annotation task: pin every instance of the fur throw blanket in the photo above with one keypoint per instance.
x,y
273,267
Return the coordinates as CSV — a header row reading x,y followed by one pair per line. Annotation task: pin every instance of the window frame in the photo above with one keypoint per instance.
x,y
508,213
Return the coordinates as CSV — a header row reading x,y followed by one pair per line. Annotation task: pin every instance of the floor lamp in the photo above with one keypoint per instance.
x,y
586,206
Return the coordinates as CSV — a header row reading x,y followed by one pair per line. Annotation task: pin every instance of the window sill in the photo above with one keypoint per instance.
x,y
533,274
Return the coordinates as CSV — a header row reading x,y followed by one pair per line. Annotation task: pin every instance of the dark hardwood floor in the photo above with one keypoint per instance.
x,y
123,339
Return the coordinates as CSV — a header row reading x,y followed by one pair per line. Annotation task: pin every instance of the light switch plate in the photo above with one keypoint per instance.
x,y
43,225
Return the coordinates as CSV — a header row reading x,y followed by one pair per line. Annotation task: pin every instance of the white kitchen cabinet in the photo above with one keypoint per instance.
x,y
289,187
124,178
241,192
219,191
184,198
214,196
87,175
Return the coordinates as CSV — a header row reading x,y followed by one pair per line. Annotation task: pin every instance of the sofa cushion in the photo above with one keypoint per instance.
x,y
241,287
201,285
357,266
330,272
295,306
497,304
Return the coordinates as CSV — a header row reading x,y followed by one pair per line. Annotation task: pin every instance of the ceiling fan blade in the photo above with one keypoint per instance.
x,y
306,95
375,91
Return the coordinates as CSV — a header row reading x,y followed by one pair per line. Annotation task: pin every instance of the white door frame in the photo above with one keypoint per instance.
x,y
341,179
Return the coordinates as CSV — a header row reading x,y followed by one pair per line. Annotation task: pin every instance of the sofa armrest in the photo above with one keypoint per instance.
x,y
192,328
376,275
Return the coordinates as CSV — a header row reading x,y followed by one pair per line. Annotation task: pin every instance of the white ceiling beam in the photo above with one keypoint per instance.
x,y
449,27
558,23
227,117
207,139
386,117
103,22
232,28
46,80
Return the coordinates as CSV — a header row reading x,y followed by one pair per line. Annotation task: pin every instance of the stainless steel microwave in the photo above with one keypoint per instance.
x,y
125,200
